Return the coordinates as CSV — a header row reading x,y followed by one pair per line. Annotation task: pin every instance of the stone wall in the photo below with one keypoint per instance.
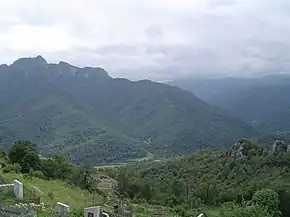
x,y
14,211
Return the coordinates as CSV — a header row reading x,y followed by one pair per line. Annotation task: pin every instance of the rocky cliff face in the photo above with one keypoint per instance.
x,y
279,146
245,148
237,149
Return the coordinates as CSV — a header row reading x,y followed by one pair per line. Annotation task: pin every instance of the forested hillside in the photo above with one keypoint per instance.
x,y
212,178
262,102
89,116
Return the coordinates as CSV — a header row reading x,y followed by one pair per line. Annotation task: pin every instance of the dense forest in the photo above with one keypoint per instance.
x,y
91,117
212,178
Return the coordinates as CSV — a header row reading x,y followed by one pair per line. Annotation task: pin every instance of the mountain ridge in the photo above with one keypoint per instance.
x,y
88,115
262,102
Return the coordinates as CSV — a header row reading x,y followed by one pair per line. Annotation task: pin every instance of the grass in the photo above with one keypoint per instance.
x,y
149,156
52,191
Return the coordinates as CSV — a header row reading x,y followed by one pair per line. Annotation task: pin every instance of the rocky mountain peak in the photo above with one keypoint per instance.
x,y
30,62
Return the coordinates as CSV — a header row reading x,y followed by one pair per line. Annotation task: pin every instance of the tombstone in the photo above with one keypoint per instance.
x,y
93,211
18,189
62,209
104,214
201,215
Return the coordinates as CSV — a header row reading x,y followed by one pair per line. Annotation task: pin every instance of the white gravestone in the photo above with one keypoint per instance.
x,y
93,211
18,189
201,215
62,209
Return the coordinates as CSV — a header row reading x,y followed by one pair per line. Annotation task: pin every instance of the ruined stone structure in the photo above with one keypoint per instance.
x,y
14,211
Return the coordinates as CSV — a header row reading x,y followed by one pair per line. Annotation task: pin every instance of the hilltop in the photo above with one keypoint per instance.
x,y
91,117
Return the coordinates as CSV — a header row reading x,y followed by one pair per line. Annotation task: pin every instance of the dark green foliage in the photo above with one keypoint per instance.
x,y
213,179
3,153
25,154
90,117
268,199
12,168
244,210
77,213
38,174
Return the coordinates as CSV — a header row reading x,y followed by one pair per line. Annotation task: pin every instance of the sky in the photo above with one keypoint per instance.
x,y
151,39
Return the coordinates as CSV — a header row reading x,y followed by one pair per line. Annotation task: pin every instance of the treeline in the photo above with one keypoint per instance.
x,y
209,178
23,157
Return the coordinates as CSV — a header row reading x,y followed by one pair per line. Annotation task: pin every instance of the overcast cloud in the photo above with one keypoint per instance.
x,y
155,39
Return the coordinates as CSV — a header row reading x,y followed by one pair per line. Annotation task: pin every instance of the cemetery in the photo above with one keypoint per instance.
x,y
20,209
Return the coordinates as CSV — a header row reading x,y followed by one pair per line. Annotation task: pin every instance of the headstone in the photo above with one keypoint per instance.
x,y
201,215
18,189
104,214
93,211
62,209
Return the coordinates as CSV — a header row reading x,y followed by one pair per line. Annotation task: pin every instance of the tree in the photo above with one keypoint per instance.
x,y
267,198
30,161
25,154
83,177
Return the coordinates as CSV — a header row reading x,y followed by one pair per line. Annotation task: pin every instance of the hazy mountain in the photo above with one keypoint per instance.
x,y
87,115
263,102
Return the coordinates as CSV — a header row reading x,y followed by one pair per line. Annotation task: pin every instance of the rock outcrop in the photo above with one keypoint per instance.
x,y
279,146
237,149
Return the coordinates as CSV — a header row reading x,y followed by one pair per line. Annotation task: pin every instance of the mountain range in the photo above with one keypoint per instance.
x,y
89,116
262,102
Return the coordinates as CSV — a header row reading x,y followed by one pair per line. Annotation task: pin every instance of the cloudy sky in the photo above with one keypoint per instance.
x,y
155,39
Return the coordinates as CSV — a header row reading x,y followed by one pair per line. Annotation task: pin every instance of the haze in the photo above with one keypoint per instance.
x,y
152,39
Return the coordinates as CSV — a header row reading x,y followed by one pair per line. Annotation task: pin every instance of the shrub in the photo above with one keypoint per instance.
x,y
267,198
51,195
244,210
10,168
38,174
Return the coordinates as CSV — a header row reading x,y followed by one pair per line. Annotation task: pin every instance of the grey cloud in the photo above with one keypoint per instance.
x,y
221,38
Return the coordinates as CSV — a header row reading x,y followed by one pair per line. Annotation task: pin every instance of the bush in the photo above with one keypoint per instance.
x,y
77,213
12,168
27,176
51,195
38,174
244,210
267,198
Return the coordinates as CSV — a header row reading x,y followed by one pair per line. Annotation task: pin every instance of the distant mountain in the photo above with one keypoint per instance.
x,y
90,116
263,102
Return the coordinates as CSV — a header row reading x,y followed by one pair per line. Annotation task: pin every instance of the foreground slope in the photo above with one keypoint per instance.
x,y
90,116
211,178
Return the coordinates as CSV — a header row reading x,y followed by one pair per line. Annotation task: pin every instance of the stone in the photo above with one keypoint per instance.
x,y
18,189
237,149
201,215
279,146
93,211
62,209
